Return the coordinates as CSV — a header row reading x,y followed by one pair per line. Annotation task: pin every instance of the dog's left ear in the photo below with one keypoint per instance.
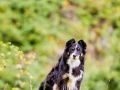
x,y
83,45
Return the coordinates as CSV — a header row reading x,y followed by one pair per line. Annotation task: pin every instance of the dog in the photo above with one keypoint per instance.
x,y
68,72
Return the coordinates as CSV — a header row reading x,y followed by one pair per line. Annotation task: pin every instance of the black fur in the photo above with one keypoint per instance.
x,y
62,68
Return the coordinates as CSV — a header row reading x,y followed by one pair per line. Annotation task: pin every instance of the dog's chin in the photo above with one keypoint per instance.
x,y
74,59
73,62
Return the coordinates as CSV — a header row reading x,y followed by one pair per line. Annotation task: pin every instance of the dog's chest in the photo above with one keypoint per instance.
x,y
72,80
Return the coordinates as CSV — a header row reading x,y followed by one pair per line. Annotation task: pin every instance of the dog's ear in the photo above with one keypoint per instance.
x,y
70,42
83,45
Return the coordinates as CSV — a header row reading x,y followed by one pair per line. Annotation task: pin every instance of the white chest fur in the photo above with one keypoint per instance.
x,y
73,63
72,80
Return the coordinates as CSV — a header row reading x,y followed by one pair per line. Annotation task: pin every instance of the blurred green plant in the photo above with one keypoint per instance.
x,y
13,68
42,26
17,69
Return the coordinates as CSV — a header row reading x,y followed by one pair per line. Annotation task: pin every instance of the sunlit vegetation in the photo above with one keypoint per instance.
x,y
33,34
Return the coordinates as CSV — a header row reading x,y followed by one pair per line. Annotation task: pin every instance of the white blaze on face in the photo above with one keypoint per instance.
x,y
74,53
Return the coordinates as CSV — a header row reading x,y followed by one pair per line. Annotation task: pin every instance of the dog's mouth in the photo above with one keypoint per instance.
x,y
76,57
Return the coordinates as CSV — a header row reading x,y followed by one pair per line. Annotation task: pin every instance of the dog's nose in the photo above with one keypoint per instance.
x,y
74,56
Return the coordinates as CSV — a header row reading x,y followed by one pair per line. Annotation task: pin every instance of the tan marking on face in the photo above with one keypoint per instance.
x,y
81,54
68,53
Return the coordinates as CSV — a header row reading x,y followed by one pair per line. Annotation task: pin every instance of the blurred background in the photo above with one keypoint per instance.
x,y
33,34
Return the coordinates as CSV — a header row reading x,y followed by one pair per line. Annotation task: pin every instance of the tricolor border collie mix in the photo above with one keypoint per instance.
x,y
68,73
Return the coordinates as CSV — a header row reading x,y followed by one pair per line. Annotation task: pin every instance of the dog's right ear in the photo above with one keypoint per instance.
x,y
70,42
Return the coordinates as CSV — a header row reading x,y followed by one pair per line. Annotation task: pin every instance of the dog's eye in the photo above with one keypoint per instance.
x,y
73,49
78,49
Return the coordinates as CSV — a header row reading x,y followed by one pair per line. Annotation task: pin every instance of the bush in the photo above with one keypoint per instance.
x,y
14,71
42,27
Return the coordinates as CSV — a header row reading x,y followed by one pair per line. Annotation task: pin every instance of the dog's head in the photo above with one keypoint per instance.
x,y
75,50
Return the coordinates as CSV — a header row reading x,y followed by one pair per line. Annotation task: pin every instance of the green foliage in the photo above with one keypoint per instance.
x,y
13,68
30,23
17,70
40,29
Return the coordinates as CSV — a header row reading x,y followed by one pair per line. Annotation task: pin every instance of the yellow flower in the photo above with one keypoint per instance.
x,y
65,2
